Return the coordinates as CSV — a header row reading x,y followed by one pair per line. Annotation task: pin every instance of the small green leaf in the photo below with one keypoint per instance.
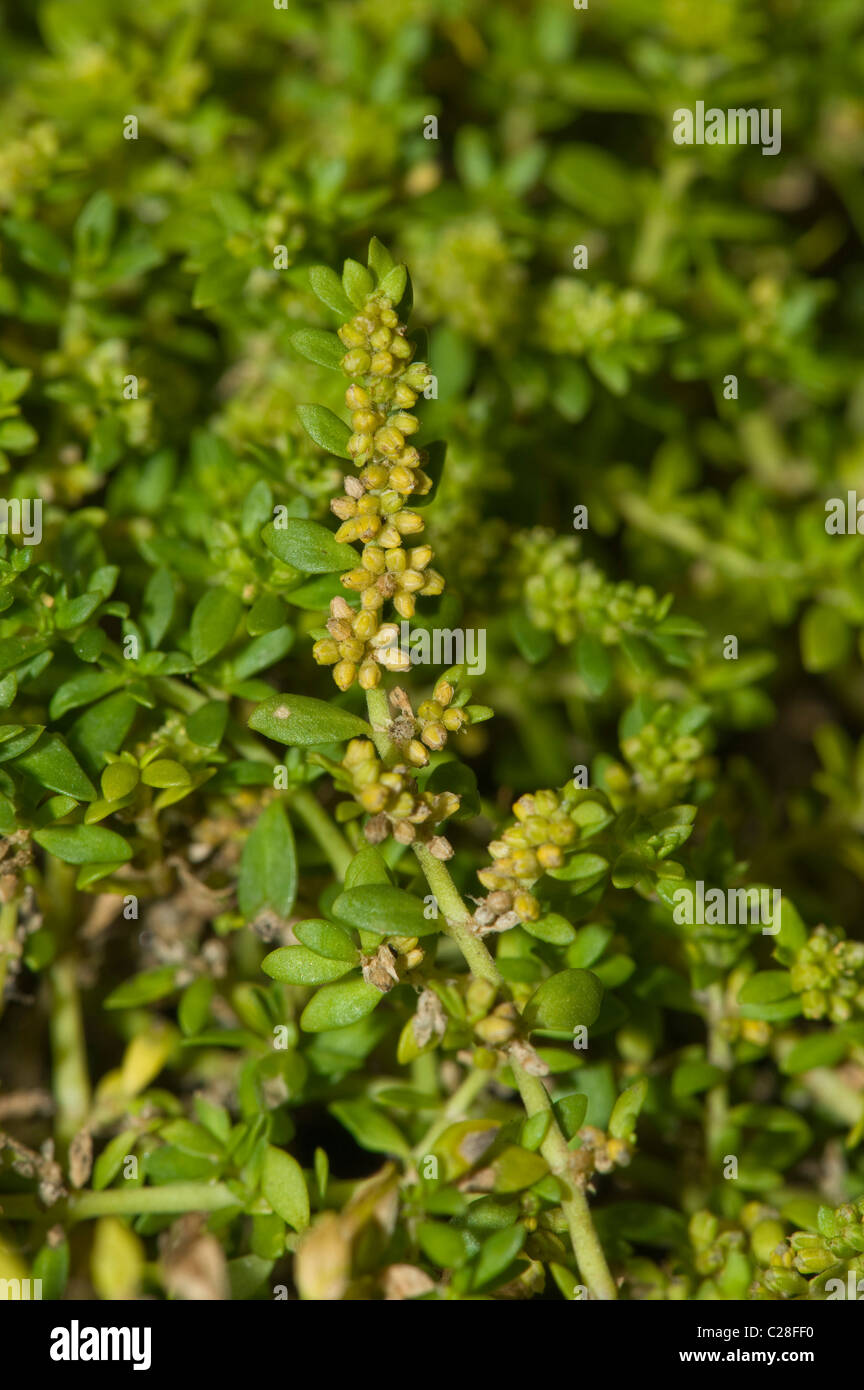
x,y
394,283
497,1254
296,965
820,1050
84,844
165,772
284,1186
268,867
571,1111
326,429
308,546
51,764
371,1129
194,1009
206,725
594,663
317,346
625,1111
304,722
690,1078
328,287
382,908
766,987
357,283
570,999
445,1246
326,939
145,988
335,1006
379,259
214,623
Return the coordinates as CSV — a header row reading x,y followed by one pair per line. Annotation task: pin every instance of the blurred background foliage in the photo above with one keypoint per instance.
x,y
302,128
269,140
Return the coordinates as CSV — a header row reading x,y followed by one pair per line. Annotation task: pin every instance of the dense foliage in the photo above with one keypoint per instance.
x,y
365,979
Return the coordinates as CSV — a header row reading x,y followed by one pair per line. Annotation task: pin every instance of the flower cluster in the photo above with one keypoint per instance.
x,y
372,509
391,797
544,828
427,730
828,973
567,596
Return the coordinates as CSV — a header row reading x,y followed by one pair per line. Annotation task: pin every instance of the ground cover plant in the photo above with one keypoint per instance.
x,y
430,652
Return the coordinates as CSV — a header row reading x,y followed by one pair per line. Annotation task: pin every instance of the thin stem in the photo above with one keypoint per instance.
x,y
71,1083
457,917
8,928
379,717
719,1055
171,1198
586,1245
329,837
456,1108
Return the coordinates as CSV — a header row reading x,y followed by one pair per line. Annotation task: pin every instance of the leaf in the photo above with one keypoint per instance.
x,y
371,1129
445,1246
571,1111
326,429
84,844
356,282
394,283
497,1254
214,622
328,287
284,1186
206,725
565,1001
765,987
158,606
194,1009
328,940
594,663
295,965
690,1078
622,1121
110,1161
262,653
819,1050
594,181
367,866
336,1006
383,908
165,772
268,866
304,722
83,689
145,988
51,764
317,346
308,546
379,259
826,638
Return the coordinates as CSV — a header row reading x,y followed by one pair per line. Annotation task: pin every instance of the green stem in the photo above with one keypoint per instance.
x,y
177,1197
719,1055
457,917
379,717
586,1244
8,928
71,1083
317,821
456,1108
